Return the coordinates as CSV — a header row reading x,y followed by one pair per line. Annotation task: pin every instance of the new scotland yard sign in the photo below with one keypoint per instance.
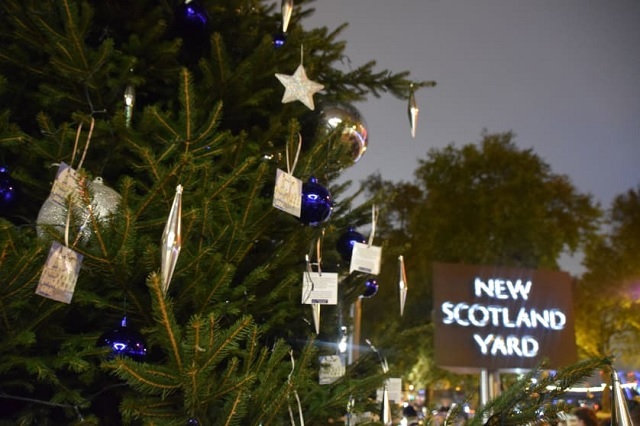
x,y
499,318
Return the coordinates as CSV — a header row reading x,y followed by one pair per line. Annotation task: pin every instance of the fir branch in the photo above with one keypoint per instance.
x,y
232,177
228,341
233,408
187,104
15,279
155,114
212,122
75,37
223,278
230,383
217,48
145,377
252,195
165,317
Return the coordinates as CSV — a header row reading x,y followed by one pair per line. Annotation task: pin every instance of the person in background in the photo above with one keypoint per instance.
x,y
586,416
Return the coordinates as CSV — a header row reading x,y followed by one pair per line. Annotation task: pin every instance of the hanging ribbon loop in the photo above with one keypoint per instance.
x,y
374,219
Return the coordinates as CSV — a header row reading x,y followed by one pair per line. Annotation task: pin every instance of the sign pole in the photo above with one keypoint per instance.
x,y
356,314
484,386
494,383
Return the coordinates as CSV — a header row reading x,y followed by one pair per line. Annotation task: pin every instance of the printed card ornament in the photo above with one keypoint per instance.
x,y
331,369
367,257
124,341
391,391
318,288
64,190
287,194
298,87
171,240
60,274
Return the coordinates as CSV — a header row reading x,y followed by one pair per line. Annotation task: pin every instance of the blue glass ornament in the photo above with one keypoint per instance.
x,y
124,341
347,241
279,39
317,203
193,27
193,422
8,191
192,15
370,288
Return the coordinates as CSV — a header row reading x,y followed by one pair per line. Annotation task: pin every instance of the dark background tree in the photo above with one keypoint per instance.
x,y
608,293
487,203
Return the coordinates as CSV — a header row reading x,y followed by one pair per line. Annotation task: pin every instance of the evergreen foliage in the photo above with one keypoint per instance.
x,y
207,116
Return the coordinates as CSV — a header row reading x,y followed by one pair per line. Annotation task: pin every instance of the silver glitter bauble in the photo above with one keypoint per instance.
x,y
104,202
346,119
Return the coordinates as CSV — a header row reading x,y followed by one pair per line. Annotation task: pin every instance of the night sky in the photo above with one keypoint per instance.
x,y
564,76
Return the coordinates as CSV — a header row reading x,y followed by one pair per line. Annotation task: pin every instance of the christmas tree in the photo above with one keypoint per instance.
x,y
146,276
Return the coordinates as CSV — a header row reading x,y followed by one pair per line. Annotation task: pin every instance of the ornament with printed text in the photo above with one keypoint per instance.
x,y
124,341
317,203
9,191
370,288
346,125
345,243
104,203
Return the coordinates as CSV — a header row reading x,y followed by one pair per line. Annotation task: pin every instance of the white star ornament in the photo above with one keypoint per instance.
x,y
298,87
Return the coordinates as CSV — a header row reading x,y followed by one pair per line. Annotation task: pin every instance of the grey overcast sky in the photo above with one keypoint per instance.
x,y
563,75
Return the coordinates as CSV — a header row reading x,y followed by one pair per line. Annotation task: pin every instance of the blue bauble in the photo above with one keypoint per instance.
x,y
317,203
279,39
192,16
193,422
347,241
370,288
8,191
124,341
